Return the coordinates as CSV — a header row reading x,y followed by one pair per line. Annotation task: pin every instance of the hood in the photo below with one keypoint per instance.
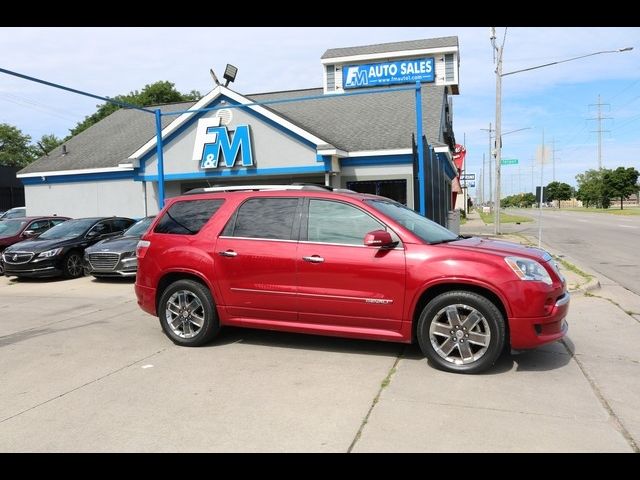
x,y
115,245
37,246
6,241
501,248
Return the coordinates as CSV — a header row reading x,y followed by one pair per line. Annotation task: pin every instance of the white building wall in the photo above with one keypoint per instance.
x,y
86,199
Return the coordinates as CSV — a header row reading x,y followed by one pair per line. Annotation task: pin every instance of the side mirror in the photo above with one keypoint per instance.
x,y
93,234
29,234
379,239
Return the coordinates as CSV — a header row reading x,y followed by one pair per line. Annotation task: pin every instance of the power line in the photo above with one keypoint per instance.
x,y
599,131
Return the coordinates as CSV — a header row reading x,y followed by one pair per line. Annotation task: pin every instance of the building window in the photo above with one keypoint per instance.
x,y
393,189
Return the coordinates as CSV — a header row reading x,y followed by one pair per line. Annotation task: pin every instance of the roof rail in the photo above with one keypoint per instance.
x,y
236,188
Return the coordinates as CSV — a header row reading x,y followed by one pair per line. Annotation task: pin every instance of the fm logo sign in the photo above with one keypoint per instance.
x,y
213,142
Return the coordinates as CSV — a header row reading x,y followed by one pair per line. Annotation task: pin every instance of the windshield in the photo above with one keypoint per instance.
x,y
13,213
137,229
9,228
424,228
68,229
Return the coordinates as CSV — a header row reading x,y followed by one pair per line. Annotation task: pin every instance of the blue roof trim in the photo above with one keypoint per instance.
x,y
82,177
240,172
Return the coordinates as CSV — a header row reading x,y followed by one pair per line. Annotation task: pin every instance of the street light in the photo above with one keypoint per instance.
x,y
498,142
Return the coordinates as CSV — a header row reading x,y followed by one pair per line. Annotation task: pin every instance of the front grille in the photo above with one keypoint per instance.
x,y
17,258
104,261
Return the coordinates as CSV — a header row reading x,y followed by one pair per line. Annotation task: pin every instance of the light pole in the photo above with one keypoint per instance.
x,y
498,143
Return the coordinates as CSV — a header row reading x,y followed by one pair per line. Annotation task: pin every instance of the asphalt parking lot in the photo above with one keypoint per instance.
x,y
82,368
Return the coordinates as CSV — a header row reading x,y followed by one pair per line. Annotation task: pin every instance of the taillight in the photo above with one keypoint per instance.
x,y
142,247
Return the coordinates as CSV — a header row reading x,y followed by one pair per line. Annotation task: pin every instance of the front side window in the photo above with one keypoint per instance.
x,y
101,228
68,229
334,222
187,217
422,227
271,218
39,226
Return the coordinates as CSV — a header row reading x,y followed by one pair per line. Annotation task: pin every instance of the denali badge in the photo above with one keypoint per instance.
x,y
377,300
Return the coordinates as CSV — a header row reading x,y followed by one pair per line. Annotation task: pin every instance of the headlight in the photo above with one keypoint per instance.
x,y
527,269
50,253
128,254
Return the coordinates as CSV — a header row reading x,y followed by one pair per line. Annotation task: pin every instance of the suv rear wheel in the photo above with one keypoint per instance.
x,y
461,332
187,313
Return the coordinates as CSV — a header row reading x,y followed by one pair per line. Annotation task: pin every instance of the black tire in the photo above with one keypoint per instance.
x,y
175,301
72,265
484,341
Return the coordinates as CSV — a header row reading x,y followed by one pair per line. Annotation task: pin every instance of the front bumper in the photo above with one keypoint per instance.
x,y
533,332
47,267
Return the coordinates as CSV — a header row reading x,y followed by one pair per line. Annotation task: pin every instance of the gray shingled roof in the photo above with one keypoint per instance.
x,y
363,122
350,123
106,143
392,47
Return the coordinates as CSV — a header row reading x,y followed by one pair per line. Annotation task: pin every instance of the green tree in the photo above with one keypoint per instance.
x,y
621,182
154,94
15,148
48,143
558,191
592,189
528,199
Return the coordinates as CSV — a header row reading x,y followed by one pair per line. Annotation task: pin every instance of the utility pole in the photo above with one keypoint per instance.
x,y
553,156
483,180
490,130
542,160
533,182
599,118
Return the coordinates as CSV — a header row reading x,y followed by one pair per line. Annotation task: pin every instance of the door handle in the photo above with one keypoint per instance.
x,y
228,253
313,259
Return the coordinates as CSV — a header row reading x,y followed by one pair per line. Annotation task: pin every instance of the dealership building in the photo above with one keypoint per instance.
x,y
328,135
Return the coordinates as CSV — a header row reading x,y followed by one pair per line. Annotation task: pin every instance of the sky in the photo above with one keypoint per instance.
x,y
555,101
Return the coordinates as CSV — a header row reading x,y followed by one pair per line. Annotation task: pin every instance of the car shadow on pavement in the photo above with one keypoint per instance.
x,y
130,280
13,280
302,341
542,359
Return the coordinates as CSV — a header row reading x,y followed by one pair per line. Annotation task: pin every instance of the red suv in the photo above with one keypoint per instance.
x,y
310,260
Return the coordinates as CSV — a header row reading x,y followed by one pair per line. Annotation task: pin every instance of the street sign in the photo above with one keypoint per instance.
x,y
468,176
509,161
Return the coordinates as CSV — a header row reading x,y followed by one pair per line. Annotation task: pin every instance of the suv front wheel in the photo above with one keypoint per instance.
x,y
187,313
461,332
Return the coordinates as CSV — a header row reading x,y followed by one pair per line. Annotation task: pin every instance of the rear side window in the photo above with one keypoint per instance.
x,y
271,218
187,217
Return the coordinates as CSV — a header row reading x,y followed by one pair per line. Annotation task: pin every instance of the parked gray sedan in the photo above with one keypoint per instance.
x,y
116,257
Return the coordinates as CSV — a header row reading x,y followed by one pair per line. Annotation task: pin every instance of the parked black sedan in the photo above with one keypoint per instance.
x,y
59,250
116,257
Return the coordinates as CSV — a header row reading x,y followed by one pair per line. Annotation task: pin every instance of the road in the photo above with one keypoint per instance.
x,y
609,244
